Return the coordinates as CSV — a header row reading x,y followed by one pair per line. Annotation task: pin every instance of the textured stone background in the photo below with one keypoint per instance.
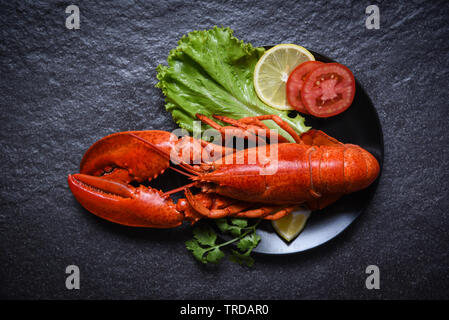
x,y
60,90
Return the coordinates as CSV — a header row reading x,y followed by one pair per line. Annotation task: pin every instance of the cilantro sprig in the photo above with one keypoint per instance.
x,y
205,248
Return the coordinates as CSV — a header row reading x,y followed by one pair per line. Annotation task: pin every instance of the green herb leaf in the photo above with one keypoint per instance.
x,y
205,250
205,235
249,242
222,224
197,250
242,258
242,223
224,227
215,255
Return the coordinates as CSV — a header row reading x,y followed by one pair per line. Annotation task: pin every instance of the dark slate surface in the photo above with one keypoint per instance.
x,y
63,89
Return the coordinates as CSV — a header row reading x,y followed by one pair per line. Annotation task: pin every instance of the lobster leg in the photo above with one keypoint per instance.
x,y
252,125
230,131
197,151
267,212
281,213
230,210
257,120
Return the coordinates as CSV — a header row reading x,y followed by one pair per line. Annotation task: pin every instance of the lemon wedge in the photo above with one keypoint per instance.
x,y
290,226
272,71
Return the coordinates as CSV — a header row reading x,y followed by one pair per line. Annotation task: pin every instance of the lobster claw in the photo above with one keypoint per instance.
x,y
124,204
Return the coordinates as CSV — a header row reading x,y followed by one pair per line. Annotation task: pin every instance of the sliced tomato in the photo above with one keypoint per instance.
x,y
328,90
295,82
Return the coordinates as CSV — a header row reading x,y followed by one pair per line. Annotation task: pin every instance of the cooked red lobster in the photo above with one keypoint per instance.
x,y
315,171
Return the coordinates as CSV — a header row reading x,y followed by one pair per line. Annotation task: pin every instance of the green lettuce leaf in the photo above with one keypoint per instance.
x,y
211,72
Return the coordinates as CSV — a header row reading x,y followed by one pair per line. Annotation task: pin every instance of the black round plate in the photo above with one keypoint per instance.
x,y
360,125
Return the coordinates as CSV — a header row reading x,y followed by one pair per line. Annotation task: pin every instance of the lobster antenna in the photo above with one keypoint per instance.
x,y
182,172
165,154
179,189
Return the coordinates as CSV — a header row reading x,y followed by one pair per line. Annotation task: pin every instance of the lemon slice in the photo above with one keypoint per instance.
x,y
272,71
289,227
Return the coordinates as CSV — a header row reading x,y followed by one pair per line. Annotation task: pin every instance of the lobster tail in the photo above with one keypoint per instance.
x,y
361,168
342,170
